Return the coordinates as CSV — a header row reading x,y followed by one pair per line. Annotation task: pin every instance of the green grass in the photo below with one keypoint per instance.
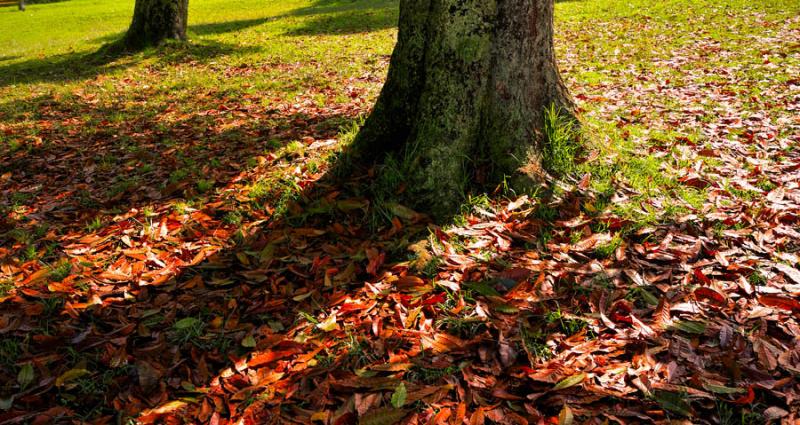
x,y
216,120
268,53
50,41
561,144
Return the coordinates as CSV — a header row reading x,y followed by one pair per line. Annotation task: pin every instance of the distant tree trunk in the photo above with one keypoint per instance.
x,y
22,5
155,21
468,84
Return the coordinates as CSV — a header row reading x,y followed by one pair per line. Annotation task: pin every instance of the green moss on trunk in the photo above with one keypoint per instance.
x,y
468,85
155,21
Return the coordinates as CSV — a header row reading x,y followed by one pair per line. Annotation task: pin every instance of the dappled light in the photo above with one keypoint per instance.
x,y
187,237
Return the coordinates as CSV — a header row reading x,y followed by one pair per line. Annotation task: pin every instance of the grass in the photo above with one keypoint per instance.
x,y
233,117
322,42
271,33
561,145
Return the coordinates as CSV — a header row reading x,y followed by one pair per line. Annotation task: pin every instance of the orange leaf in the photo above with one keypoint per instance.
x,y
441,343
747,398
700,277
780,302
268,357
704,292
408,282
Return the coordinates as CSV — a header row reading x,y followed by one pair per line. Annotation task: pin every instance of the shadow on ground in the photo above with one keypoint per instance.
x,y
345,17
230,26
323,17
69,67
76,188
15,3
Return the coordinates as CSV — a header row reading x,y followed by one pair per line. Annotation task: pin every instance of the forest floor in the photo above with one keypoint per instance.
x,y
175,248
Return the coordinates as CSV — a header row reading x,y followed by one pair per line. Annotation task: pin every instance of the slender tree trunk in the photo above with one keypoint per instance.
x,y
468,84
22,5
155,21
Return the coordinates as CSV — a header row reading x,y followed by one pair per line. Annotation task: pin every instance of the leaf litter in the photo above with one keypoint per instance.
x,y
274,301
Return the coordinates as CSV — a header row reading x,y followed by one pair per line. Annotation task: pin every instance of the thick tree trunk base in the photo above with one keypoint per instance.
x,y
467,88
155,21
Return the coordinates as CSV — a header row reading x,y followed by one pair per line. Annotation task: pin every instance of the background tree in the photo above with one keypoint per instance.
x,y
22,5
468,84
155,21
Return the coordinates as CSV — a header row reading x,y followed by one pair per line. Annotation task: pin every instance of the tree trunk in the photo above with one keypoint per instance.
x,y
468,84
155,21
22,5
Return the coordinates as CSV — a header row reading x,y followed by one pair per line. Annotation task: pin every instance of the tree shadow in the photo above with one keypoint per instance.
x,y
229,26
244,325
15,3
130,156
68,67
133,163
345,17
323,17
189,294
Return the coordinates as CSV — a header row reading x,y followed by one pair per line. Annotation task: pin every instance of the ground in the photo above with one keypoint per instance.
x,y
176,244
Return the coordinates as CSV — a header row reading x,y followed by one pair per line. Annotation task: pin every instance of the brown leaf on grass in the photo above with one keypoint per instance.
x,y
789,271
261,359
778,301
662,318
383,416
407,282
442,343
253,274
706,293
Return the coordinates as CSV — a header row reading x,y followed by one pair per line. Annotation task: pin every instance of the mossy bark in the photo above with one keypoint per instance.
x,y
155,21
468,84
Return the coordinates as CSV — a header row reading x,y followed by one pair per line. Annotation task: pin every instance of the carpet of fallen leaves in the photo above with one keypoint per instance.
x,y
245,312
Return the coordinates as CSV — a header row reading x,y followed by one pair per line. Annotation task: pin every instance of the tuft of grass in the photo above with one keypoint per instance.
x,y
568,326
294,149
29,253
120,186
275,192
728,414
60,271
472,205
757,278
94,225
463,327
561,145
358,351
149,212
204,186
233,218
430,375
608,249
11,348
535,341
188,330
261,189
6,285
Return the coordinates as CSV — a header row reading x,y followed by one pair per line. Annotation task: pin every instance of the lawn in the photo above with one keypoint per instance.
x,y
182,237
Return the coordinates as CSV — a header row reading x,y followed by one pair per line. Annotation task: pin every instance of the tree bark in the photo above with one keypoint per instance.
x,y
155,21
22,5
468,84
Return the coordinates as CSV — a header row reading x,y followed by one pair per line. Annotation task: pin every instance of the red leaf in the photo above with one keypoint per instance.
x,y
704,292
747,398
700,277
268,357
435,299
780,302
